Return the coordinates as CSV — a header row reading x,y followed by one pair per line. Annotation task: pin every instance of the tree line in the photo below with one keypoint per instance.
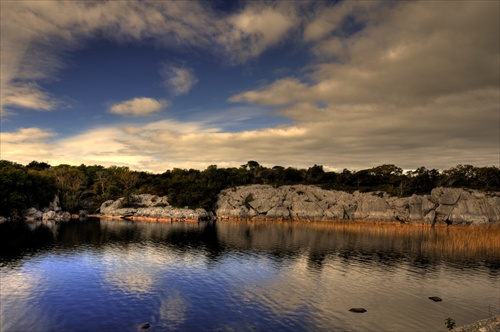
x,y
87,187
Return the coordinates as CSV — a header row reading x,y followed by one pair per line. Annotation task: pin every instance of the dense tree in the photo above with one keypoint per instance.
x,y
42,188
21,188
315,174
89,186
70,183
422,180
37,166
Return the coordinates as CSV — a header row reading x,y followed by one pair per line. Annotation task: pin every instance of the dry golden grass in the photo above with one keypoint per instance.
x,y
440,241
450,241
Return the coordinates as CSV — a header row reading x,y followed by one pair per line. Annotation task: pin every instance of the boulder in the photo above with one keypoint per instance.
x,y
32,214
278,212
49,215
446,196
430,217
443,213
304,210
335,212
31,211
62,216
373,208
151,207
468,211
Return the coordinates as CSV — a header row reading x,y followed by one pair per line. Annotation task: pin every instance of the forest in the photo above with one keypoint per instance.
x,y
86,187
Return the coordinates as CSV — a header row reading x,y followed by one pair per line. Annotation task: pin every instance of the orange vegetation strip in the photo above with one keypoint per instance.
x,y
439,240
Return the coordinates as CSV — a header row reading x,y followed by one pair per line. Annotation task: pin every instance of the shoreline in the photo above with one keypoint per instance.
x,y
490,324
145,219
421,224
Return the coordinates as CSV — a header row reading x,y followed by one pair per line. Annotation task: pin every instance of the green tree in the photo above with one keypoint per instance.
x,y
37,166
315,174
42,188
13,189
70,183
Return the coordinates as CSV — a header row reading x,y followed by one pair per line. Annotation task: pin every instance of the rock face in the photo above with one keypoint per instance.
x,y
147,206
301,202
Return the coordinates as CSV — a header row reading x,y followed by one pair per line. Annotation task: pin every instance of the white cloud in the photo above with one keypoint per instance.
x,y
36,35
257,28
139,106
282,92
26,145
29,96
180,80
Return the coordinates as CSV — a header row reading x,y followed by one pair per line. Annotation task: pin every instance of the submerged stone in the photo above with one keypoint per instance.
x,y
359,310
145,326
435,298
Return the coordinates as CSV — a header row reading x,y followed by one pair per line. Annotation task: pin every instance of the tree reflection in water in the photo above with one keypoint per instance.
x,y
366,243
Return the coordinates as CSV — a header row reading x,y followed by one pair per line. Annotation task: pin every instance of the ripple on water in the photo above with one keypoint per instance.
x,y
237,277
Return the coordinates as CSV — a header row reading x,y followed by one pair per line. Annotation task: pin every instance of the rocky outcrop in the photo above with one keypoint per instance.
x,y
150,207
53,212
301,202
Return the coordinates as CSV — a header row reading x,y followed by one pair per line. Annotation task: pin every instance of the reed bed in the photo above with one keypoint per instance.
x,y
455,241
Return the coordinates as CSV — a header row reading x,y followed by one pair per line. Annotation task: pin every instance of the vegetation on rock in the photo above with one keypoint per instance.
x,y
86,187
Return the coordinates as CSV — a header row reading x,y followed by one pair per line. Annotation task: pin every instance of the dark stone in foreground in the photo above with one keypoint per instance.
x,y
145,326
359,310
435,298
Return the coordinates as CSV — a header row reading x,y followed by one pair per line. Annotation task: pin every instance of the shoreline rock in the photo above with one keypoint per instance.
x,y
301,202
53,212
445,206
146,207
491,324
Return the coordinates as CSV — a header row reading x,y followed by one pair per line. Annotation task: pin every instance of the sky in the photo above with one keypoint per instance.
x,y
157,85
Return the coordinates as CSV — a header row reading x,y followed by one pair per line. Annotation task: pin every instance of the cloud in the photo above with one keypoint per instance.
x,y
420,83
35,37
139,106
179,80
26,145
28,96
411,85
256,28
415,56
275,94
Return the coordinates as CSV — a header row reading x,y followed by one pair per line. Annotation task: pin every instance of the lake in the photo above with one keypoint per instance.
x,y
115,275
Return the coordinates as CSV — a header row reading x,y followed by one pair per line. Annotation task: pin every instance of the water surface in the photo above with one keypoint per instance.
x,y
114,275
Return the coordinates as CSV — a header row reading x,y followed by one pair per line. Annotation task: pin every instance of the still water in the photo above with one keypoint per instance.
x,y
115,275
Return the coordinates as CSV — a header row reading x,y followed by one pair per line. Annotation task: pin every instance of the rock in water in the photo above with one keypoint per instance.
x,y
145,326
435,298
359,310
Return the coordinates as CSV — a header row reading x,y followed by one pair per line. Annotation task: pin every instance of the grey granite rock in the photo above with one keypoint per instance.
x,y
150,206
301,202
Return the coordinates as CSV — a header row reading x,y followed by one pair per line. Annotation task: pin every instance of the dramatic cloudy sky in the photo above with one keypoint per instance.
x,y
160,84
